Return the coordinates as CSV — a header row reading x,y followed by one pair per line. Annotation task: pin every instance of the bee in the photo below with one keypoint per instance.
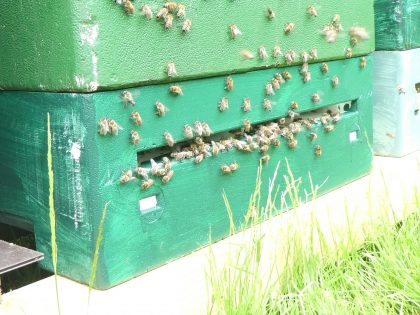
x,y
142,172
329,128
353,41
304,56
113,127
166,163
316,98
199,158
307,77
288,57
287,75
363,62
137,118
264,148
135,137
175,89
335,81
169,139
167,177
336,18
359,33
181,11
288,28
270,14
160,109
234,31
229,84
225,169
349,52
277,52
128,98
269,90
312,11
275,141
170,69
313,53
198,127
324,68
128,7
169,21
305,68
215,148
295,127
223,104
147,183
330,34
265,158
262,52
155,167
246,105
160,172
318,150
400,89
103,127
294,105
170,6
246,54
313,136
188,132
279,78
206,129
336,118
325,119
282,121
234,167
247,125
306,124
275,83
147,12
126,177
267,105
186,26
292,143
161,15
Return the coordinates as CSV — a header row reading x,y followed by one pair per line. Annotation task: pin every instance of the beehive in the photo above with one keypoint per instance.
x,y
396,102
397,24
147,228
98,46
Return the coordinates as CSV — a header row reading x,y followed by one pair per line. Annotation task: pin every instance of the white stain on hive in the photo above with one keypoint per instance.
x,y
89,34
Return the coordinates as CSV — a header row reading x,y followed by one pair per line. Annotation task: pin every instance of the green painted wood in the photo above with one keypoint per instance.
x,y
397,24
94,45
87,168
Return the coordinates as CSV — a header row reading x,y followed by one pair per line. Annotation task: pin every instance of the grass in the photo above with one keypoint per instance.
x,y
321,274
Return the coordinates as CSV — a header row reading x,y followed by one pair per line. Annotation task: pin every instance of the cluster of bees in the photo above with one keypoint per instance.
x,y
166,14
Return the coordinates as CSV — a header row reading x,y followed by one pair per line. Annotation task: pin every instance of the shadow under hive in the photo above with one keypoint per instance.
x,y
148,227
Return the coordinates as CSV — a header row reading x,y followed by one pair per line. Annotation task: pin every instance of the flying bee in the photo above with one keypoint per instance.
x,y
113,127
304,56
313,136
307,77
161,15
169,139
234,166
188,132
288,28
358,33
169,21
287,75
246,54
186,26
181,11
234,31
335,81
270,14
223,104
198,128
206,129
166,178
170,69
135,116
199,158
324,68
265,158
318,150
135,137
246,105
316,98
329,128
103,127
147,12
363,62
277,52
147,183
349,52
171,6
225,169
160,109
129,7
292,143
126,177
128,98
247,125
175,89
229,84
262,52
313,53
312,11
294,105
269,90
267,105
279,77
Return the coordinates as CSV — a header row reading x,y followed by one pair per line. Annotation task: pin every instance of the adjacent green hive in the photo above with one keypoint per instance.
x,y
87,166
397,24
84,46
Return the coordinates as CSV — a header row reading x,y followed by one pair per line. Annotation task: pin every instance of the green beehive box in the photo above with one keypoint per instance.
x,y
147,228
397,24
64,45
